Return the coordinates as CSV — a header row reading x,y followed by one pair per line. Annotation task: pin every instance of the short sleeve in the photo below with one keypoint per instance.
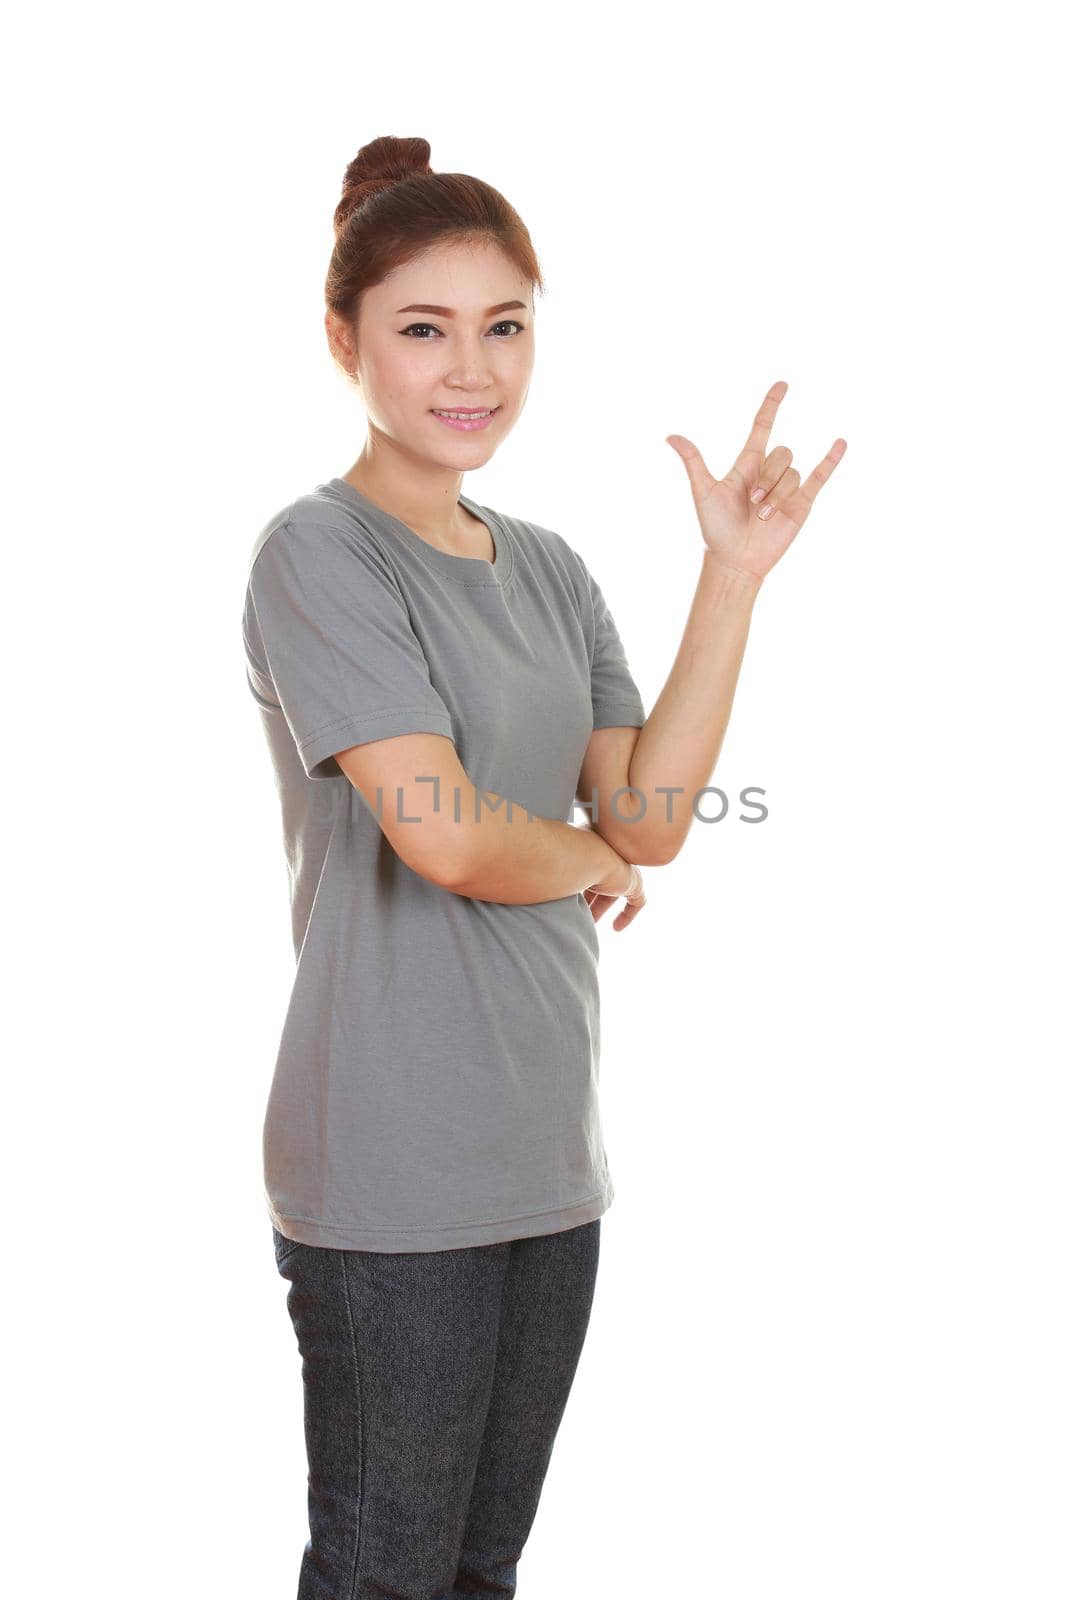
x,y
329,638
616,697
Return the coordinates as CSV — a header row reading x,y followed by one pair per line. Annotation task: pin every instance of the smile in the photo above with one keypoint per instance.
x,y
467,421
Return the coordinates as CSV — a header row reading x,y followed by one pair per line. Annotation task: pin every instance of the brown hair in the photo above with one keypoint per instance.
x,y
393,206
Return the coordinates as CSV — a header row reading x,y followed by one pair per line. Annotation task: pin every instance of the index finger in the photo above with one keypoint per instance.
x,y
755,445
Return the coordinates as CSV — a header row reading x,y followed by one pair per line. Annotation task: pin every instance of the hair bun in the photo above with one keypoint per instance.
x,y
383,162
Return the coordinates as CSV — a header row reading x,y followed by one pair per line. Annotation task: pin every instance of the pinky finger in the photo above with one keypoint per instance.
x,y
819,475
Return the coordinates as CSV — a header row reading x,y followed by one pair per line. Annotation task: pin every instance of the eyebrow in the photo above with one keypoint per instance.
x,y
443,311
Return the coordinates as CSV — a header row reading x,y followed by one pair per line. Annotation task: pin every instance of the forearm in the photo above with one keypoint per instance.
x,y
528,858
680,742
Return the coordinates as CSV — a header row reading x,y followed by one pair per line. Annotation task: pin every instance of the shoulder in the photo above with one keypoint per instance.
x,y
316,533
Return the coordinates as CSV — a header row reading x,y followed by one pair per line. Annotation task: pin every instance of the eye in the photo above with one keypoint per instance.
x,y
411,332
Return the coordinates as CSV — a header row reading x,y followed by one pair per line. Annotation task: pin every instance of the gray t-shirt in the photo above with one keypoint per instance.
x,y
436,1082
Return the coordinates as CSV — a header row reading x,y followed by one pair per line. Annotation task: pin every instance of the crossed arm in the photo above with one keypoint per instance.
x,y
498,850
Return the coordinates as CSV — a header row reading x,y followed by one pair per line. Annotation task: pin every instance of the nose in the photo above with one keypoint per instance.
x,y
472,368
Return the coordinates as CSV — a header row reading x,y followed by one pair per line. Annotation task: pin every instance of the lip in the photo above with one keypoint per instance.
x,y
459,422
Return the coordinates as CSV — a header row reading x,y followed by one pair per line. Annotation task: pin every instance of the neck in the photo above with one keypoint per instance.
x,y
435,514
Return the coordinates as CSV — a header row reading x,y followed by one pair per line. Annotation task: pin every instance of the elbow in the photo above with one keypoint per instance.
x,y
456,864
641,848
655,856
642,840
666,847
440,859
660,846
451,876
452,873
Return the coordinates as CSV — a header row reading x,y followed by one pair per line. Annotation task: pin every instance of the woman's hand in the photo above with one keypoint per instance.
x,y
751,517
624,880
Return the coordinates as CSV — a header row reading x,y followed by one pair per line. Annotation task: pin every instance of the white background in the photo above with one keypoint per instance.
x,y
826,1351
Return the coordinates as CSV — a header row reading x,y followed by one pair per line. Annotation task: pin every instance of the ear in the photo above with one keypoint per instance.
x,y
337,336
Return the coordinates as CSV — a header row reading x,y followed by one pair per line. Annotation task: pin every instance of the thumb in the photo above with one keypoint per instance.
x,y
700,478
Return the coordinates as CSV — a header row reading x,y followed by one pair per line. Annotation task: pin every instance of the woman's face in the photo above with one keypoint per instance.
x,y
452,330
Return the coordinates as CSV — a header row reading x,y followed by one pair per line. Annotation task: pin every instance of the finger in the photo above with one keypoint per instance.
x,y
818,476
780,496
773,467
750,459
701,481
625,917
600,903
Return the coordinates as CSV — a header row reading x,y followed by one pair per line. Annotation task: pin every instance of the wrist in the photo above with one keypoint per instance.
x,y
732,579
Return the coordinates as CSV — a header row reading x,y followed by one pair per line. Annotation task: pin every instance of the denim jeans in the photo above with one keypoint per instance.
x,y
434,1384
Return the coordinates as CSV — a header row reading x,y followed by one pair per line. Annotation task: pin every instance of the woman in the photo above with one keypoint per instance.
x,y
439,682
